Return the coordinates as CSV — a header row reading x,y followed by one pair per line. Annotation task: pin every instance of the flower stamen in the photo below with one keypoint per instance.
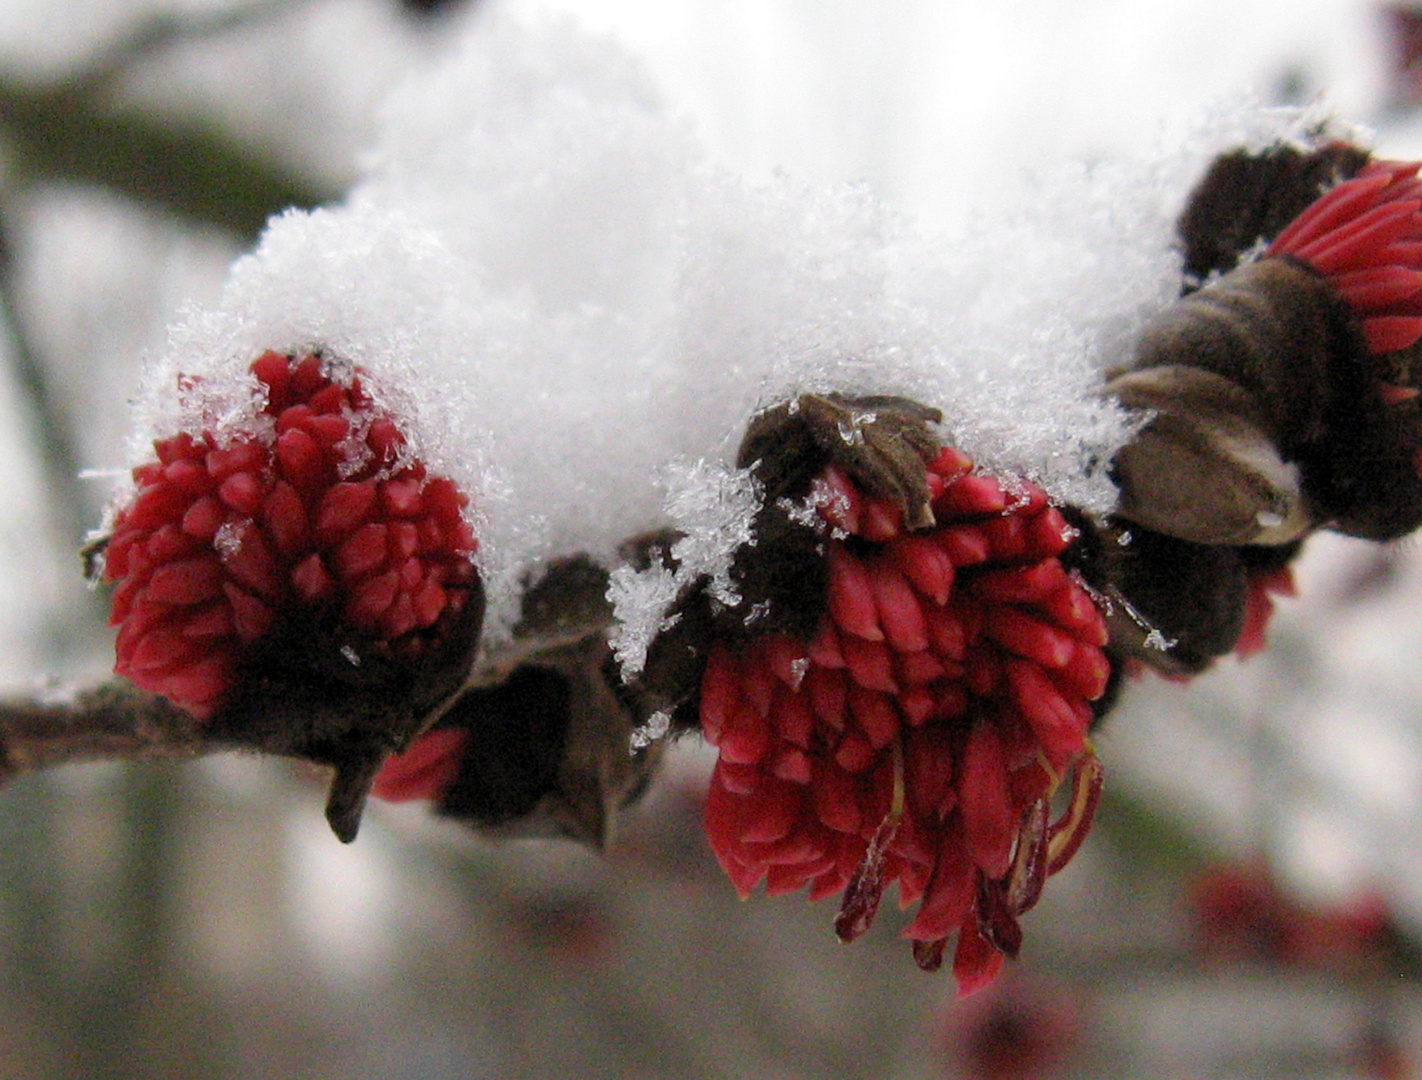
x,y
866,886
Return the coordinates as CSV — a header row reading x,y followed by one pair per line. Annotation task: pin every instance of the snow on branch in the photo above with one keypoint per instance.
x,y
553,438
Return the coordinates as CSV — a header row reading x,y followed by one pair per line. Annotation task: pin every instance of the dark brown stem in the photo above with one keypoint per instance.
x,y
113,721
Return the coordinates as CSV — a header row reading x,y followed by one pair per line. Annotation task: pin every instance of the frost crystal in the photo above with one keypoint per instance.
x,y
657,725
641,601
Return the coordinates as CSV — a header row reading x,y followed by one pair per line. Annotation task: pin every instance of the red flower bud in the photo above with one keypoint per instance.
x,y
426,769
302,588
1365,237
916,737
324,519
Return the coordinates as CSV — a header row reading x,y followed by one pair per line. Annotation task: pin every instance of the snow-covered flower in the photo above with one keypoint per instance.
x,y
1365,237
916,737
319,526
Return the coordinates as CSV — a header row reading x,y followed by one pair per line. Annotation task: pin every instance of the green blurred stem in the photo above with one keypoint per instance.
x,y
184,166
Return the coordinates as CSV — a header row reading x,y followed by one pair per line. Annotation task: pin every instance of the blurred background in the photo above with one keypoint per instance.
x,y
1250,904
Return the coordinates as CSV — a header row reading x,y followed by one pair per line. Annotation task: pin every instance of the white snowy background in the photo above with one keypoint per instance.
x,y
759,169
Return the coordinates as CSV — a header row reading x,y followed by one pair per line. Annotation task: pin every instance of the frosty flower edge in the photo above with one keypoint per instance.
x,y
305,587
920,681
1281,391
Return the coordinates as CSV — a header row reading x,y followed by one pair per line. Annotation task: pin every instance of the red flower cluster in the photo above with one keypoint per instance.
x,y
1365,237
917,739
1241,912
325,516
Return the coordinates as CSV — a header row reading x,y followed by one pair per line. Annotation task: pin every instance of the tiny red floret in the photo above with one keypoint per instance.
x,y
326,518
1263,586
1365,236
917,738
426,769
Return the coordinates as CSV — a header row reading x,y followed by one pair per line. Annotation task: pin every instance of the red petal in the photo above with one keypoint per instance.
x,y
870,664
1358,237
190,581
273,370
1377,286
1388,333
880,520
791,765
426,769
827,692
824,650
928,771
1021,584
189,477
851,596
989,823
785,658
949,897
965,545
1087,673
401,498
836,798
343,508
430,600
203,518
284,515
1052,719
252,564
301,460
1340,204
925,564
1021,634
237,458
839,499
199,686
719,694
312,581
242,492
361,553
793,720
399,618
745,738
250,617
975,963
971,495
900,612
1073,609
855,753
722,819
773,812
918,668
875,715
946,634
214,620
156,505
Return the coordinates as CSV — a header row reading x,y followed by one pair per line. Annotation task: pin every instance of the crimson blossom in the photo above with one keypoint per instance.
x,y
321,522
918,736
1365,237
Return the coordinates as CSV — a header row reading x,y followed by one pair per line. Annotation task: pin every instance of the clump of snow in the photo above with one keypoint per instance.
x,y
574,315
713,504
371,289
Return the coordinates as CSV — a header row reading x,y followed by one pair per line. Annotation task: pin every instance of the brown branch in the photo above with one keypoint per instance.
x,y
112,721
